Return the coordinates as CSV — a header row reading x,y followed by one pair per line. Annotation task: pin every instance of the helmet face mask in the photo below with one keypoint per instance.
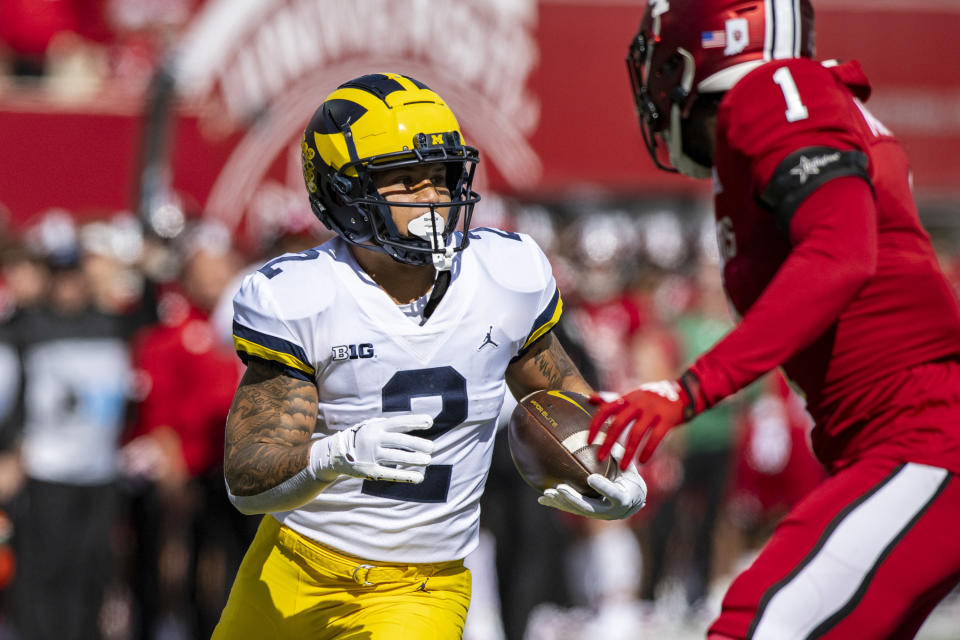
x,y
652,118
439,219
685,48
379,123
662,79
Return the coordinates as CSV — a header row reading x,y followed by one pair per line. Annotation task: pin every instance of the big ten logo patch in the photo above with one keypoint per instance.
x,y
352,351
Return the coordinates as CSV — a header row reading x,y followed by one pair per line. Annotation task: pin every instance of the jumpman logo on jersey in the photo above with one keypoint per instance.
x,y
488,340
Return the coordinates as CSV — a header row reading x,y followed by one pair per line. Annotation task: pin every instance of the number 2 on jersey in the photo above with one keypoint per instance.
x,y
397,395
795,107
271,269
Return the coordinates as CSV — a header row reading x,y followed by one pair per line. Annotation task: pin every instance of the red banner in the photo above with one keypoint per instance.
x,y
540,87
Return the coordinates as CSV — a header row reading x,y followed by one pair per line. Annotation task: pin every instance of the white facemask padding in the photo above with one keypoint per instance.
x,y
724,79
673,134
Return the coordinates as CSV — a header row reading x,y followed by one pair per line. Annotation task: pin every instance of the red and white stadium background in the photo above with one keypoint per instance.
x,y
540,87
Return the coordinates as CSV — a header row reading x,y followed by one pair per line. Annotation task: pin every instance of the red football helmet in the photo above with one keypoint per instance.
x,y
689,47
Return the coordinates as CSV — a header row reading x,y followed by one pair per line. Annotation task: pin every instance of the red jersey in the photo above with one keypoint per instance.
x,y
189,380
854,349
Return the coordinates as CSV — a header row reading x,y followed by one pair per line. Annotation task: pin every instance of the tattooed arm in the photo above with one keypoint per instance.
x,y
272,462
268,429
545,366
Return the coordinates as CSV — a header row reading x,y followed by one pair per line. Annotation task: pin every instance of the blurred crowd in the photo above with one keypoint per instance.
x,y
81,49
116,375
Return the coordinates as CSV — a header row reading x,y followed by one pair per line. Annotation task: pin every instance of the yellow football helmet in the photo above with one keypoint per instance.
x,y
376,123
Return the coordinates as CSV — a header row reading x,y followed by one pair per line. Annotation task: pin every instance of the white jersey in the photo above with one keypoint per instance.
x,y
320,316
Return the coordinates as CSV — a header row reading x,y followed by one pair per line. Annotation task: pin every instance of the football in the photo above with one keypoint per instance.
x,y
547,434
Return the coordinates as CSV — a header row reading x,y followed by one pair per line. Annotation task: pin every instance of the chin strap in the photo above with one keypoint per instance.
x,y
443,261
440,286
428,227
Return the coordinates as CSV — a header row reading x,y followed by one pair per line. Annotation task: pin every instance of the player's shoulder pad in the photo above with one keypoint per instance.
x,y
513,260
803,172
787,101
291,286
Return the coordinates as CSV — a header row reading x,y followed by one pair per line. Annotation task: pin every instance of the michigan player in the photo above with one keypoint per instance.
x,y
377,364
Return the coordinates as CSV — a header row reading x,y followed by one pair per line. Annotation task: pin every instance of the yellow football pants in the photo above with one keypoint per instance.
x,y
290,587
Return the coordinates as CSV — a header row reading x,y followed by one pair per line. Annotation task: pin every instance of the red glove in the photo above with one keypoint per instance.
x,y
654,408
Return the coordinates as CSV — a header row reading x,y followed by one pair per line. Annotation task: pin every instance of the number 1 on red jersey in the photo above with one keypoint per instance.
x,y
795,108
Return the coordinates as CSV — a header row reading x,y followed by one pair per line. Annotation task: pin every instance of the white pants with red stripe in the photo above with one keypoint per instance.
x,y
868,554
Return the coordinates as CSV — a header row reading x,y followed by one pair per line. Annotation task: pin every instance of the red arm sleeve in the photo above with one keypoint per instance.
x,y
834,238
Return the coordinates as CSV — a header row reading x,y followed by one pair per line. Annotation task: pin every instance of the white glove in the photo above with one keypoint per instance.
x,y
362,451
365,450
622,497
